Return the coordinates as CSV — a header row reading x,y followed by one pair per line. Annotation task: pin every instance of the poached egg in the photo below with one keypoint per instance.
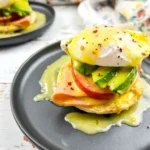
x,y
108,46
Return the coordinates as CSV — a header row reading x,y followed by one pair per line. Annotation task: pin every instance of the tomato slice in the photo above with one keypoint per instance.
x,y
13,17
89,87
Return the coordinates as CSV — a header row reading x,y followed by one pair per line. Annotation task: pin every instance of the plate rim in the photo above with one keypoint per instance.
x,y
49,22
13,111
12,104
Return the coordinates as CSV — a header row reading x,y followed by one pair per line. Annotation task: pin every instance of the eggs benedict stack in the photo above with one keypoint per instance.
x,y
15,15
103,74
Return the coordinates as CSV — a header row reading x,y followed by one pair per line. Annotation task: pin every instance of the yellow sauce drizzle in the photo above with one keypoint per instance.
x,y
91,123
48,80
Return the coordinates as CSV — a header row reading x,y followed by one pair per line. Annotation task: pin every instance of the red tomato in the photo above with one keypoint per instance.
x,y
90,88
13,17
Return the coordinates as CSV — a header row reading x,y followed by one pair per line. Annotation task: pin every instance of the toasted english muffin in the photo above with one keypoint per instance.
x,y
123,102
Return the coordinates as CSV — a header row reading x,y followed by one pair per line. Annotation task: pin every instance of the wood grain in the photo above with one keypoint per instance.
x,y
11,58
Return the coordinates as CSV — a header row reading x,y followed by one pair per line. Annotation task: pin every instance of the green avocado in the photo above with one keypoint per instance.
x,y
103,75
20,7
84,68
123,79
129,80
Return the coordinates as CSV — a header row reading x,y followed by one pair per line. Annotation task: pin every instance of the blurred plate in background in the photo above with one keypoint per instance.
x,y
24,37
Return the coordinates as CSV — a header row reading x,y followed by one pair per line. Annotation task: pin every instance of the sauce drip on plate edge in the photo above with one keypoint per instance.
x,y
92,123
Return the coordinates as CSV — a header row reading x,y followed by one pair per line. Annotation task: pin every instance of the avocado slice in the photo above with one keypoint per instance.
x,y
84,68
123,79
129,80
104,81
103,75
100,73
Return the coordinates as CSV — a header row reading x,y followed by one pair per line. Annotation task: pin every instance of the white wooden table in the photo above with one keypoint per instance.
x,y
66,23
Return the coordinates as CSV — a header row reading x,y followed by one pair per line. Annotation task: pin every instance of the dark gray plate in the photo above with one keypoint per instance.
x,y
49,13
43,123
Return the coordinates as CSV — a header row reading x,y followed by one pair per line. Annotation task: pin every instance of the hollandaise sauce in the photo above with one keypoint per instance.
x,y
91,123
48,80
40,21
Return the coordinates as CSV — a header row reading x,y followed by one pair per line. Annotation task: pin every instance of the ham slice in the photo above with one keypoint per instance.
x,y
4,19
25,21
68,93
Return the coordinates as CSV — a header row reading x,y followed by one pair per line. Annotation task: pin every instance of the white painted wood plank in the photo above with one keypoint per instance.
x,y
66,24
